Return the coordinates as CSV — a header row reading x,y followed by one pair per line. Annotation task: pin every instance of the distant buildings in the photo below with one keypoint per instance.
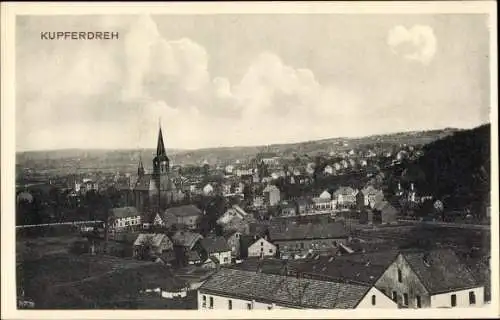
x,y
121,218
187,215
297,240
272,195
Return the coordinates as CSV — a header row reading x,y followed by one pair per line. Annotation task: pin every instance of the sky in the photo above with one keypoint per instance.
x,y
234,80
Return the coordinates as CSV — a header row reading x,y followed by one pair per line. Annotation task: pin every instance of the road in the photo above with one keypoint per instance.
x,y
57,224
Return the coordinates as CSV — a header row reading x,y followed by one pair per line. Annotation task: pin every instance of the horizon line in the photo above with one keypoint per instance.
x,y
256,145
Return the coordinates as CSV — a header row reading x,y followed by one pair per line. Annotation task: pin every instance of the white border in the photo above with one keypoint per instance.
x,y
10,10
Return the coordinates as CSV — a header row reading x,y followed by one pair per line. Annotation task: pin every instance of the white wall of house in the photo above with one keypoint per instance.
x,y
262,247
374,298
127,221
223,257
222,303
462,298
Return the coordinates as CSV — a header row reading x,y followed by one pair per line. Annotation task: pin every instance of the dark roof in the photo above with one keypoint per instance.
x,y
124,212
214,244
352,268
184,211
440,270
185,238
266,265
285,291
307,231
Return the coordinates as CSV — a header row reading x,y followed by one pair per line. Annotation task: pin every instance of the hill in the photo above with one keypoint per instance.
x,y
456,169
127,159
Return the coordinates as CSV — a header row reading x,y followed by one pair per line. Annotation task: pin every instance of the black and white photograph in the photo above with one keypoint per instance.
x,y
242,161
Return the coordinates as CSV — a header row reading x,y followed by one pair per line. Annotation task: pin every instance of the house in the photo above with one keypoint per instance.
x,y
154,243
325,195
234,289
187,215
321,205
360,268
236,219
233,239
431,279
210,263
288,209
261,248
345,196
372,195
304,206
271,195
299,239
217,247
258,201
235,212
328,169
383,212
193,257
186,239
208,189
121,218
229,169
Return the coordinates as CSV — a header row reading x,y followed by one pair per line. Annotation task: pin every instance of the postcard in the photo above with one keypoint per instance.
x,y
249,160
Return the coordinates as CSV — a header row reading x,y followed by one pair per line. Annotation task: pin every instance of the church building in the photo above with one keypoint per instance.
x,y
156,191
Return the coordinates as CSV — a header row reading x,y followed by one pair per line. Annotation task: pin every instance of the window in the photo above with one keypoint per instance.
x,y
226,259
249,306
204,304
400,276
374,300
230,304
302,245
405,299
453,300
261,249
472,298
419,302
270,250
395,296
211,306
262,243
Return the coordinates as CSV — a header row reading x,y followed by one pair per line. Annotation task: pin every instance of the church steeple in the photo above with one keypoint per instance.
x,y
140,168
161,163
160,147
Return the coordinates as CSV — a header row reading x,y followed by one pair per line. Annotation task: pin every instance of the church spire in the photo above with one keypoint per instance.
x,y
160,148
140,168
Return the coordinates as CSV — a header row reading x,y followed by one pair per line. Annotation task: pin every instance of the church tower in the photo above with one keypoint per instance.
x,y
140,169
161,163
160,190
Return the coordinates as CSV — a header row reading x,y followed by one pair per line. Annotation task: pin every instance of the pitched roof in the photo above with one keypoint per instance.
x,y
124,212
155,238
440,270
354,268
307,231
214,244
185,238
184,211
345,191
286,291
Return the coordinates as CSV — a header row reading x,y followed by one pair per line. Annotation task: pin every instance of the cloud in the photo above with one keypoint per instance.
x,y
417,43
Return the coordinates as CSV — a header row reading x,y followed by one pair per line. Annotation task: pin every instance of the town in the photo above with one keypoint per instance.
x,y
374,224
